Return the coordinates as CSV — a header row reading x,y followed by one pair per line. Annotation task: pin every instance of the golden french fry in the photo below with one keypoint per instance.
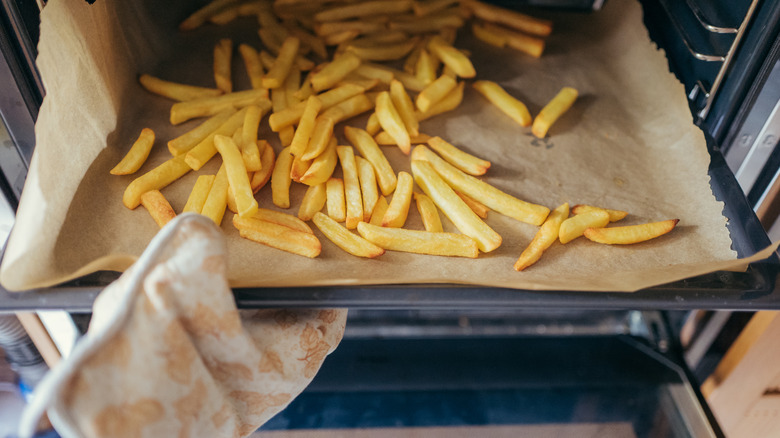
x,y
268,159
312,202
137,155
631,233
403,104
576,225
278,236
320,138
426,67
504,101
458,158
155,179
352,193
286,135
305,91
249,149
291,116
223,56
284,219
336,202
488,35
344,239
371,71
384,139
449,103
422,8
360,81
384,37
316,43
368,189
516,20
202,15
614,215
183,143
334,72
477,207
384,52
335,38
237,175
322,167
200,191
364,9
158,207
252,7
372,125
420,242
287,56
199,155
546,236
453,207
349,108
216,201
379,211
176,91
428,24
435,92
527,44
266,59
398,210
428,213
273,37
492,197
391,122
452,57
299,168
553,110
291,84
368,148
306,125
280,179
205,107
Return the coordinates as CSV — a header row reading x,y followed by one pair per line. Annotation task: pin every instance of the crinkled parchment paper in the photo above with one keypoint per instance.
x,y
628,143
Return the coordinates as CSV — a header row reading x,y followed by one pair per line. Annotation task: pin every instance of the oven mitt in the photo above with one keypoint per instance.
x,y
168,354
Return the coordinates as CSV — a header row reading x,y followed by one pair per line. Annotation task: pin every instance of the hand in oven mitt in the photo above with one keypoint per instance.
x,y
168,354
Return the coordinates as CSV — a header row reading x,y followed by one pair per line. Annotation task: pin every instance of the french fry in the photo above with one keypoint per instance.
x,y
614,215
422,8
200,191
237,175
299,168
199,155
373,126
391,122
287,56
527,44
278,236
364,9
492,197
398,210
322,167
158,207
352,193
191,109
249,149
477,207
317,44
183,143
291,116
334,38
280,179
268,159
336,202
488,35
223,56
305,91
216,201
449,103
202,15
428,213
515,20
176,91
312,202
379,211
306,125
385,52
320,138
383,37
273,37
428,24
384,139
371,71
458,158
553,110
504,101
365,83
368,189
137,155
435,92
403,104
291,84
410,81
544,238
155,179
284,219
368,148
338,69
631,233
286,135
349,108
252,7
426,67
345,240
576,225
420,242
453,207
452,57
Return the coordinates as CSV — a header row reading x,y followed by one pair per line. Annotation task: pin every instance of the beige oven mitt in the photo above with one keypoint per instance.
x,y
167,353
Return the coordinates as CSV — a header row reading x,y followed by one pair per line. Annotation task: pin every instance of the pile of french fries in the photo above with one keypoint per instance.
x,y
392,60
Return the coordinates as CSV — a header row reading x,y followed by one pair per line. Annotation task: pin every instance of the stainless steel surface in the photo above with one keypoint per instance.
x,y
705,21
759,152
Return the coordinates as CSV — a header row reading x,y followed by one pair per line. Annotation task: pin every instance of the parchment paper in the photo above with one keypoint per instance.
x,y
628,143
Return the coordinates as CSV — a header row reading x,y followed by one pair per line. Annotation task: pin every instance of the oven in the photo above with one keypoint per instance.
x,y
448,355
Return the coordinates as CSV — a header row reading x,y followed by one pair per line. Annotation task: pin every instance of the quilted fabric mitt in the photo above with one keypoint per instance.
x,y
168,354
